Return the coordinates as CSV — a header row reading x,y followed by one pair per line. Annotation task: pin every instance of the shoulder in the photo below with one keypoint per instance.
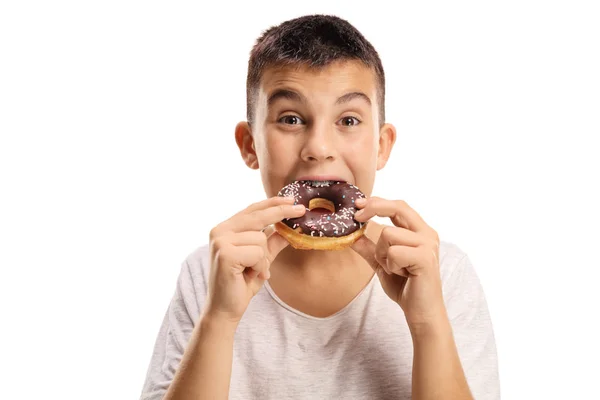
x,y
462,289
192,282
451,256
471,321
456,270
197,263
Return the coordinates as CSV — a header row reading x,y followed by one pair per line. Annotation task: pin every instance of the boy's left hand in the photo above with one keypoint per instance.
x,y
406,259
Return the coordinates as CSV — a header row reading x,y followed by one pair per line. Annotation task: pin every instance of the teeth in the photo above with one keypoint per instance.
x,y
320,183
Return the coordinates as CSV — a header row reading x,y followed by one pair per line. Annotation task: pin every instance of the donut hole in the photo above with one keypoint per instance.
x,y
321,205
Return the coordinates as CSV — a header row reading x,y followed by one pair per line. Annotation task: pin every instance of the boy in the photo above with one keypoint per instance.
x,y
398,315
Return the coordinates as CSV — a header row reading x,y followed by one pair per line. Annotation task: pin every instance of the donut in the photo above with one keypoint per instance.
x,y
328,223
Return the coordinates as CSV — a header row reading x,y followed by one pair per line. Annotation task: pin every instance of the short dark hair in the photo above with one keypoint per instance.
x,y
314,41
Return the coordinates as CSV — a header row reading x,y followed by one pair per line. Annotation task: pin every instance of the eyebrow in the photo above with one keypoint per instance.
x,y
285,94
351,96
297,97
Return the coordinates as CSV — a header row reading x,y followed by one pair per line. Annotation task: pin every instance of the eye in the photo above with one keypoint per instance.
x,y
291,120
349,121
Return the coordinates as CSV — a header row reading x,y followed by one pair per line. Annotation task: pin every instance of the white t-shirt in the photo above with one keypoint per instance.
x,y
362,352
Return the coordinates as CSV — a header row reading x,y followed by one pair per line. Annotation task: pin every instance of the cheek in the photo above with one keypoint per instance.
x,y
277,151
362,152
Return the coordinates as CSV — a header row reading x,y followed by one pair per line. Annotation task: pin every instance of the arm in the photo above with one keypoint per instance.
x,y
453,338
472,328
205,369
194,360
437,371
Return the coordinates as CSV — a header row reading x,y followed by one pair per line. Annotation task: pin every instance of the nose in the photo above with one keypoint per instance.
x,y
319,145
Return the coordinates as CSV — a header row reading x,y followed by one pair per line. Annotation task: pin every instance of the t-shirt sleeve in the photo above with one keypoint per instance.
x,y
174,333
473,331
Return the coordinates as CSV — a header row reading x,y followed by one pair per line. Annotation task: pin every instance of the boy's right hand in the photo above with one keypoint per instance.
x,y
241,253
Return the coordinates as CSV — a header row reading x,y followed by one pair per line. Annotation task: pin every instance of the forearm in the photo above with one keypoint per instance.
x,y
437,371
205,369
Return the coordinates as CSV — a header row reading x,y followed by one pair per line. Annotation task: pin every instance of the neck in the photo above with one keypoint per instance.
x,y
319,263
319,282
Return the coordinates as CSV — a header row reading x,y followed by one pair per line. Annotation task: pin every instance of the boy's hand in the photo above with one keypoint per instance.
x,y
406,259
241,252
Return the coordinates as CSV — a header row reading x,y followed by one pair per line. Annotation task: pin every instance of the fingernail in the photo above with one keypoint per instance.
x,y
360,202
359,213
298,207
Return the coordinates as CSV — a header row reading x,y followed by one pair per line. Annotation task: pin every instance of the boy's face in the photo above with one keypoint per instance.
x,y
316,124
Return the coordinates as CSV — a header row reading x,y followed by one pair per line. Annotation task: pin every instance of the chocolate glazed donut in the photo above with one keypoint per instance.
x,y
328,223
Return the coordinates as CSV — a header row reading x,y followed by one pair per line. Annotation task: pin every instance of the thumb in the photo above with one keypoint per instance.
x,y
366,248
275,243
269,230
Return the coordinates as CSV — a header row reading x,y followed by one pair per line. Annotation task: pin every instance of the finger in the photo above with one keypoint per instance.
x,y
238,239
227,226
274,244
260,219
394,269
400,213
360,203
252,259
267,203
268,230
395,236
256,238
366,249
404,259
261,269
392,235
248,256
251,274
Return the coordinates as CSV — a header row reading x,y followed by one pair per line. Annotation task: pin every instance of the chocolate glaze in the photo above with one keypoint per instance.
x,y
314,223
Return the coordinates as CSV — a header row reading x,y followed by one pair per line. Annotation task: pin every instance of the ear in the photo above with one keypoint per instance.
x,y
387,138
245,142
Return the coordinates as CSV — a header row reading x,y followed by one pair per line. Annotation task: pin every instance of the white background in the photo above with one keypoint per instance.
x,y
117,121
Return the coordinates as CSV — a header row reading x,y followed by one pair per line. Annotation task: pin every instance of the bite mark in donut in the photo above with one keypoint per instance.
x,y
333,227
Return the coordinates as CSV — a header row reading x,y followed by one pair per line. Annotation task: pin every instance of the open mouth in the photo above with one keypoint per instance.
x,y
321,183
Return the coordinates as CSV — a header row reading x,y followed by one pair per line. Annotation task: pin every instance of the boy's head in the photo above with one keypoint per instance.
x,y
314,41
315,105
